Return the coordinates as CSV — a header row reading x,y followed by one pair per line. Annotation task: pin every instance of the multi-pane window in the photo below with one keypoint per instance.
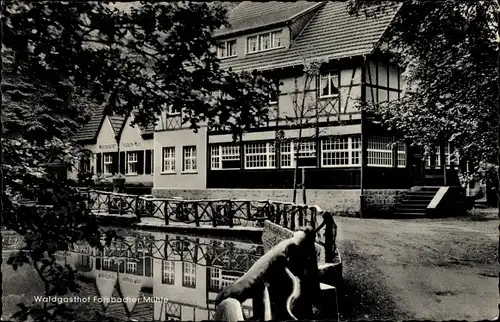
x,y
265,41
131,267
259,155
451,158
341,151
401,155
227,49
329,84
220,279
108,163
132,162
379,151
106,263
189,159
188,274
168,272
168,159
306,155
252,44
286,153
225,157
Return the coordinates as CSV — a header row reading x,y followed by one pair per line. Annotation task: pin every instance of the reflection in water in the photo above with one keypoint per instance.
x,y
162,276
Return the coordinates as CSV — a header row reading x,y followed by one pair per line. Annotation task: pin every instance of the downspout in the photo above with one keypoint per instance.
x,y
363,139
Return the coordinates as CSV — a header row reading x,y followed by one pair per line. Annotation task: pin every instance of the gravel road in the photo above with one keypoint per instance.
x,y
432,269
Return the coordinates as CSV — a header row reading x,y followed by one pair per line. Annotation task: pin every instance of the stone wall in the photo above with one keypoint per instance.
x,y
338,201
381,202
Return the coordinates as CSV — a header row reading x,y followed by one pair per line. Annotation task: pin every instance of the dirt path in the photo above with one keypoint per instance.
x,y
420,269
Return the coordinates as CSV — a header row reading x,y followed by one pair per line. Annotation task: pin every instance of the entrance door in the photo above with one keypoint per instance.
x,y
417,167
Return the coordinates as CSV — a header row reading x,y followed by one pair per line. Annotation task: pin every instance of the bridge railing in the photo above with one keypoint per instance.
x,y
216,212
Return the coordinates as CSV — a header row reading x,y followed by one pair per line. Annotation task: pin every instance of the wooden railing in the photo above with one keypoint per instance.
x,y
216,212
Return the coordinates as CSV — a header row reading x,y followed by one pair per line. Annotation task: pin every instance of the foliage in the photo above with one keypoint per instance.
x,y
450,50
140,58
59,59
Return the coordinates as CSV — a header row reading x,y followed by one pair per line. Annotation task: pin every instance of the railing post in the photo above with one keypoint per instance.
x,y
137,207
214,214
277,217
285,216
249,210
109,204
292,219
313,217
329,237
230,213
196,215
165,212
301,216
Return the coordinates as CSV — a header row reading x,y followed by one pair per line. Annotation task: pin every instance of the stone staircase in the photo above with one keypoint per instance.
x,y
415,202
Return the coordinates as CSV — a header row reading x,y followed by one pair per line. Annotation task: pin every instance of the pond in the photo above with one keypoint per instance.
x,y
161,276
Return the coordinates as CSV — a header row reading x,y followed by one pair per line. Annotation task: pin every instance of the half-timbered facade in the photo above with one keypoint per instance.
x,y
315,122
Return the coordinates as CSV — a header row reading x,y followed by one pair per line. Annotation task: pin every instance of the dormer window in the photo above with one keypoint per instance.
x,y
227,49
329,85
265,41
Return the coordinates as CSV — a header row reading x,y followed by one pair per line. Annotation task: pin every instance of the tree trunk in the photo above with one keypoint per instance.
x,y
304,200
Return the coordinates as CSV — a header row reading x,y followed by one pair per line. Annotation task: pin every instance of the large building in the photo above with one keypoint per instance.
x,y
344,153
347,158
112,146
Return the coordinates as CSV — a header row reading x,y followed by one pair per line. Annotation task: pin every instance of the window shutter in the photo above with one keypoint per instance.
x,y
148,271
98,162
140,266
114,165
147,165
140,162
152,161
97,263
123,163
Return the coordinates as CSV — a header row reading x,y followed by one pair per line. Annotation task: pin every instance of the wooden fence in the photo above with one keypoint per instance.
x,y
216,212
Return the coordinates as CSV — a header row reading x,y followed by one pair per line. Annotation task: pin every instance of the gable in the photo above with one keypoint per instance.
x,y
106,135
89,131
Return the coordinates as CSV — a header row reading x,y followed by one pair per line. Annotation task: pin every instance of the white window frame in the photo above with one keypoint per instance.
x,y
132,157
221,152
274,41
378,146
447,155
168,159
131,267
286,149
332,75
307,150
401,155
106,263
224,49
268,152
189,159
188,274
168,272
352,151
107,163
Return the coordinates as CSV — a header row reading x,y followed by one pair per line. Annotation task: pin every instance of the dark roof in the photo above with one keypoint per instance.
x,y
332,33
249,15
89,131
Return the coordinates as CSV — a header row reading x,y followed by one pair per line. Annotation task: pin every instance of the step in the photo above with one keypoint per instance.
x,y
411,206
421,193
434,189
410,211
423,203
